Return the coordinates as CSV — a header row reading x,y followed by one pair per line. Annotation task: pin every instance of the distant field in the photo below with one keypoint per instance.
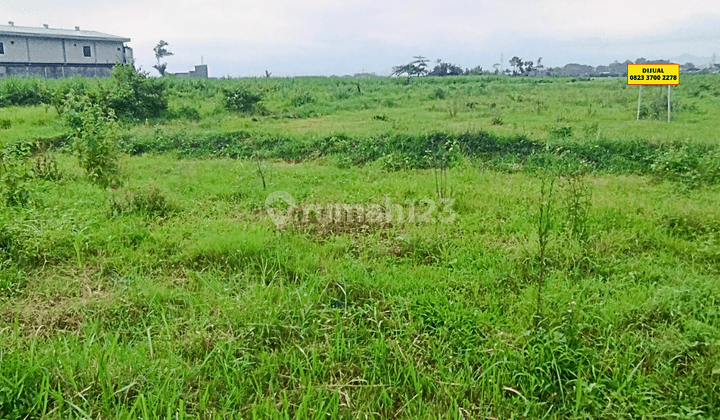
x,y
169,291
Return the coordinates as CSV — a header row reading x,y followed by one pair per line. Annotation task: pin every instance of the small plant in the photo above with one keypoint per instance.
x,y
94,136
241,99
260,172
455,105
497,120
44,164
561,131
302,98
149,201
545,222
439,93
5,124
14,180
578,196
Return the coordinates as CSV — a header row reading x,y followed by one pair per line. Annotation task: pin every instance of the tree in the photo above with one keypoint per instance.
x,y
446,69
517,63
528,67
413,68
475,70
160,53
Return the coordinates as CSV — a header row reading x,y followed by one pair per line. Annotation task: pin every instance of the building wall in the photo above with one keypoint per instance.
x,y
45,50
55,71
15,48
105,52
58,51
199,72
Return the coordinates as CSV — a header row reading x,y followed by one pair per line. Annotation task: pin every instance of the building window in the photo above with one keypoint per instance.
x,y
86,51
2,48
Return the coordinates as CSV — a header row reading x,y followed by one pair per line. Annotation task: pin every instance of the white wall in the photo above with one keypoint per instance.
x,y
15,49
74,51
45,50
109,52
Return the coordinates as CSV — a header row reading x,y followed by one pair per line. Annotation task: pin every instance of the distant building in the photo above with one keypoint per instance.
x,y
54,53
200,71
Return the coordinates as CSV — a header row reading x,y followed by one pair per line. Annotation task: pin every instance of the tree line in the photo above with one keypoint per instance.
x,y
518,67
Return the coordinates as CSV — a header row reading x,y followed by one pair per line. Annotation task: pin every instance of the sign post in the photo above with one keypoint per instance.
x,y
653,75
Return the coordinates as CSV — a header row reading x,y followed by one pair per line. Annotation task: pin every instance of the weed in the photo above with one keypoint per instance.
x,y
15,176
149,201
577,197
241,98
545,224
560,131
496,120
94,135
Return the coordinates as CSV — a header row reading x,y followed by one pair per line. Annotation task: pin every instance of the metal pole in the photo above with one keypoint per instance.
x,y
668,103
639,95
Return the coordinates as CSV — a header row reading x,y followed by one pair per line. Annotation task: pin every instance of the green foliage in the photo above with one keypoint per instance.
x,y
561,131
104,294
133,95
15,175
577,202
93,133
18,91
161,52
439,93
693,166
302,98
183,113
148,201
241,98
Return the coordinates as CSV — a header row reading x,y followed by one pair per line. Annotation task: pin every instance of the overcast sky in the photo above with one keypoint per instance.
x,y
323,37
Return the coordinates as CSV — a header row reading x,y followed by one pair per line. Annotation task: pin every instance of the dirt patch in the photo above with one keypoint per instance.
x,y
57,310
44,319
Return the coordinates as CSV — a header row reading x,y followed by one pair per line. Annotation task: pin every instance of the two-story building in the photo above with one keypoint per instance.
x,y
54,53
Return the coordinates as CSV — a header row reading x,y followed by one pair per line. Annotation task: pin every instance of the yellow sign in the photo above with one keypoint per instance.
x,y
653,74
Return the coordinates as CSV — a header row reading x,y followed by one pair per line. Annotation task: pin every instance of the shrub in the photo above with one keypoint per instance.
x,y
149,201
241,99
692,166
93,132
133,95
439,93
16,91
302,98
15,175
561,131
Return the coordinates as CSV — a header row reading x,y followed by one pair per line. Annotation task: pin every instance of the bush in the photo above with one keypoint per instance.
x,y
133,95
561,131
16,91
241,99
93,132
182,113
439,93
692,166
302,98
15,175
150,201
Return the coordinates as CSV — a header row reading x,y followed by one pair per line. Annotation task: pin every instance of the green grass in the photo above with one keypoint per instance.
x,y
175,296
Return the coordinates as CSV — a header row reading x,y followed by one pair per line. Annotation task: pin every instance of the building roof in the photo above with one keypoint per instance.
x,y
58,33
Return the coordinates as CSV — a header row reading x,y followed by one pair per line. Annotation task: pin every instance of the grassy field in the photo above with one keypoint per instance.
x,y
579,276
